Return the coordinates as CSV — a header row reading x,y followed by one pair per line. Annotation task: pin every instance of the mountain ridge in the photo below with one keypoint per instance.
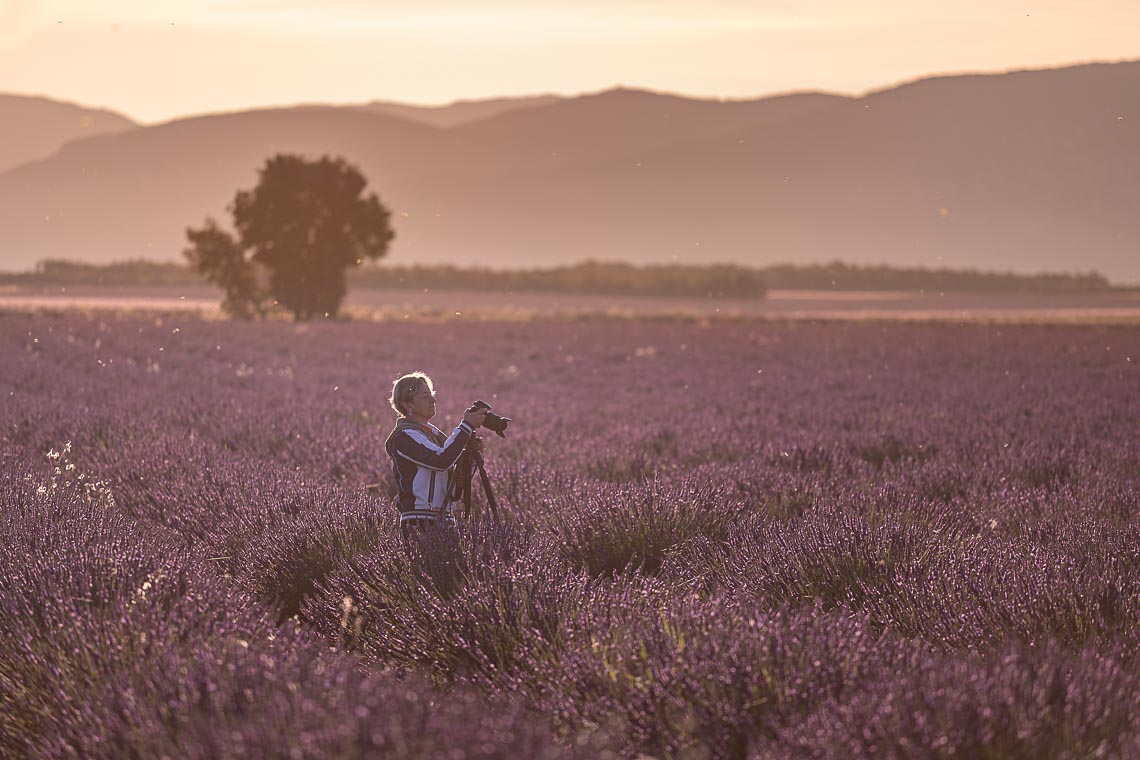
x,y
1025,171
36,126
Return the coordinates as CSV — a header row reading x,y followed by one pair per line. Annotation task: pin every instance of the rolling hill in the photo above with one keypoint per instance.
x,y
1026,171
36,127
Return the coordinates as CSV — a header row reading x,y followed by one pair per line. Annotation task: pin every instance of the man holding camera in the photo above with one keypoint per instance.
x,y
423,458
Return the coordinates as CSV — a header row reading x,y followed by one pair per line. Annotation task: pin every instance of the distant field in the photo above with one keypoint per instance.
x,y
1119,306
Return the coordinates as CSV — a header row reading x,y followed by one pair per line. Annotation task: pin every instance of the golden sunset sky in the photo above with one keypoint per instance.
x,y
155,60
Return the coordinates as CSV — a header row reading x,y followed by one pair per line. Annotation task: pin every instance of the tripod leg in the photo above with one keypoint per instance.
x,y
487,488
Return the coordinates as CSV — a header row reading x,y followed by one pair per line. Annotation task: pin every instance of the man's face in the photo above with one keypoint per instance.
x,y
422,404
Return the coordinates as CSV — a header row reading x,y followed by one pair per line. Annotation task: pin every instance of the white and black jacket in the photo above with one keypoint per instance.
x,y
423,462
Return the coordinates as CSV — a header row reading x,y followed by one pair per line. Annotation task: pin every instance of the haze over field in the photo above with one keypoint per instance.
x,y
1034,170
1025,171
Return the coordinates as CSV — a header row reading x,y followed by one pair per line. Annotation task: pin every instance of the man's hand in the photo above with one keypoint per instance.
x,y
474,417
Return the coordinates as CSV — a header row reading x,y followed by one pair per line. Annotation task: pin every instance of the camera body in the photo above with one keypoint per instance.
x,y
492,421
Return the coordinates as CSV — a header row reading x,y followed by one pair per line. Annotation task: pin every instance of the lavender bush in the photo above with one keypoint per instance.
x,y
717,540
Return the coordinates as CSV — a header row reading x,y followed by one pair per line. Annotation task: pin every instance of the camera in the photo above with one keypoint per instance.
x,y
492,421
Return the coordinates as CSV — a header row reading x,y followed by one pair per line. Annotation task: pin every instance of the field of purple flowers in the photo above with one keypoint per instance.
x,y
718,540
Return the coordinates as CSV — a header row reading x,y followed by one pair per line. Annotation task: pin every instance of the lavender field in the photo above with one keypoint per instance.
x,y
735,539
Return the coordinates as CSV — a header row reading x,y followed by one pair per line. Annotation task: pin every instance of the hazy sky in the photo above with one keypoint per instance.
x,y
159,59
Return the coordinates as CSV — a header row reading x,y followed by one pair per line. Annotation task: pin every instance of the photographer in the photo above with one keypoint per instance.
x,y
423,458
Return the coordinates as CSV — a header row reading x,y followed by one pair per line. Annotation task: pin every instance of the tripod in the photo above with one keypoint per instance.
x,y
469,461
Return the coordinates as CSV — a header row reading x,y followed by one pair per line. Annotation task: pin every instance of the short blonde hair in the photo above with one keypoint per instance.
x,y
407,386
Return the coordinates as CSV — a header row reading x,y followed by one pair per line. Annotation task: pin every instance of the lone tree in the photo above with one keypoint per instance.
x,y
298,231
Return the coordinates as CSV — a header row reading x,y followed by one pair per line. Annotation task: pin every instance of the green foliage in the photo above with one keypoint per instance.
x,y
298,230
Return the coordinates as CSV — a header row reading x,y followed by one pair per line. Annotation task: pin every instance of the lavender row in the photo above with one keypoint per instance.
x,y
768,539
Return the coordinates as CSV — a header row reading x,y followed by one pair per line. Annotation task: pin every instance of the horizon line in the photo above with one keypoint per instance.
x,y
943,74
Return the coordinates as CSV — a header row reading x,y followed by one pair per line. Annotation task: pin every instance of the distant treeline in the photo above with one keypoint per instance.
x,y
53,272
837,275
720,281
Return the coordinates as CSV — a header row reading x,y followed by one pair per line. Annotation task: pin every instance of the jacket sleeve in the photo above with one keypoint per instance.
x,y
417,447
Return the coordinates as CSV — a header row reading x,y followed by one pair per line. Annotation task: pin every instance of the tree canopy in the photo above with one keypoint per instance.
x,y
297,232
